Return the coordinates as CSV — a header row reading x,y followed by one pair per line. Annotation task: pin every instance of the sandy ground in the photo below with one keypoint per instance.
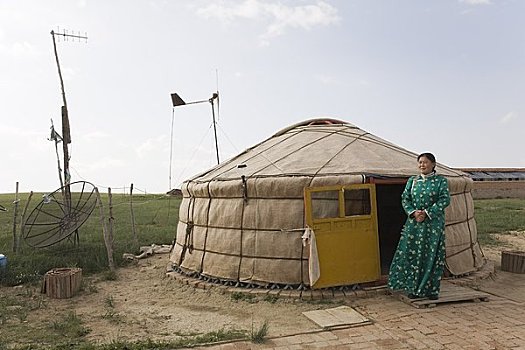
x,y
147,304
143,303
513,241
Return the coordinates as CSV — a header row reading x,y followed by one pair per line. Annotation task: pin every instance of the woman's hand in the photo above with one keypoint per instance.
x,y
420,215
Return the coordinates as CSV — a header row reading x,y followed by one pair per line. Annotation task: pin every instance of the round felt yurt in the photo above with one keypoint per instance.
x,y
317,204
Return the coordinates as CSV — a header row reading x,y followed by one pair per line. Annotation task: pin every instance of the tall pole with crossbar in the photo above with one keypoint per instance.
x,y
66,133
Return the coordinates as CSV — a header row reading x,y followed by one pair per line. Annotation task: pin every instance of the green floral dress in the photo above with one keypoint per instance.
x,y
419,260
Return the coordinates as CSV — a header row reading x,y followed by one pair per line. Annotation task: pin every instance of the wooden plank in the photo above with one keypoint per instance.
x,y
449,293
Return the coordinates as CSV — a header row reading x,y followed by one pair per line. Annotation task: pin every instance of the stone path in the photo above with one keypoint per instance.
x,y
496,324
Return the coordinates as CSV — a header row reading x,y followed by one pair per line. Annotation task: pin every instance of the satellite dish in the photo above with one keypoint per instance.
x,y
59,214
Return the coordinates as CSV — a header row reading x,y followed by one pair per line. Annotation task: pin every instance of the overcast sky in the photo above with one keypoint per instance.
x,y
444,76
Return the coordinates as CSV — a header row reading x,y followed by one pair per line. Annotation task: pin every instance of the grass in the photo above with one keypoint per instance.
x,y
109,302
239,296
191,341
16,309
71,326
271,298
149,344
498,216
154,223
111,314
259,336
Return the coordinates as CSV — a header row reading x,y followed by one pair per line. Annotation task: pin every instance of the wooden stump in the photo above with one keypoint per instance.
x,y
62,283
513,261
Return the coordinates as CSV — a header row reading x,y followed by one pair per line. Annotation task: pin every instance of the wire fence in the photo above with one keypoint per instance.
x,y
135,221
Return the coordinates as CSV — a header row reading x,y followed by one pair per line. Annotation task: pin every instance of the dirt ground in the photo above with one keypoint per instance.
x,y
515,240
143,303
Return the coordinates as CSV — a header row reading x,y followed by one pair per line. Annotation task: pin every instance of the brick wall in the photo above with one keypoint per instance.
x,y
498,189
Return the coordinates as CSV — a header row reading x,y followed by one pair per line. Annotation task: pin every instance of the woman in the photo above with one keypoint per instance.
x,y
418,262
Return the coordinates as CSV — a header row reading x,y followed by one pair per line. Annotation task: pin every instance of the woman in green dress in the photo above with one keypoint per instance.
x,y
419,260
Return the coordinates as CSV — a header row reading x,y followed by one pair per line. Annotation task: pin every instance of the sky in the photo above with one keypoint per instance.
x,y
443,76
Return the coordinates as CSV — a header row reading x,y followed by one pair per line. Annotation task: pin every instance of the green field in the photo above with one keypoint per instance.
x,y
498,216
155,217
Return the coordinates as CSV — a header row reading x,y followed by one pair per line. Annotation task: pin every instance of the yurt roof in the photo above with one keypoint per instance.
x,y
321,147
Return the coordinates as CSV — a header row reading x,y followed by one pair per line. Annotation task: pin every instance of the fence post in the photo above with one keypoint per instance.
x,y
23,220
110,221
135,238
109,247
15,240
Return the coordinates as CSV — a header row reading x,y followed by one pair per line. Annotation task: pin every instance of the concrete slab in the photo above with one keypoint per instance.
x,y
504,284
337,317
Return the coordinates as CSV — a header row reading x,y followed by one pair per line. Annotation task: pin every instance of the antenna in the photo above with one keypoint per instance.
x,y
217,89
57,216
66,134
66,35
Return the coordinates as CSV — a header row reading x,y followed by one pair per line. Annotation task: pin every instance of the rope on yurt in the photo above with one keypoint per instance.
x,y
207,227
302,285
388,145
273,163
469,246
261,153
290,131
460,222
338,152
256,228
468,226
469,229
189,223
472,243
242,237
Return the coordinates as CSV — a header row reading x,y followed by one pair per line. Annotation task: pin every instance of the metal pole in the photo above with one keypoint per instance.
x,y
214,127
171,144
15,240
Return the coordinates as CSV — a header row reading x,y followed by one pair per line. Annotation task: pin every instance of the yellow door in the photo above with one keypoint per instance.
x,y
344,220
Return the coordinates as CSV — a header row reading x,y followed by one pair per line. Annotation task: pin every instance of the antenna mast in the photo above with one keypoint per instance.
x,y
66,134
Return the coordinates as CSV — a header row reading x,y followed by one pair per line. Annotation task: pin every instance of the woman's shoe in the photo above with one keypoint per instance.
x,y
433,297
412,296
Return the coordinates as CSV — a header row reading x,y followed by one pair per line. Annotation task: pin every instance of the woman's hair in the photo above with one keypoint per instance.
x,y
428,156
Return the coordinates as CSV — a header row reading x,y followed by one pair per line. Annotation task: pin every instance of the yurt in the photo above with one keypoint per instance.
x,y
320,198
